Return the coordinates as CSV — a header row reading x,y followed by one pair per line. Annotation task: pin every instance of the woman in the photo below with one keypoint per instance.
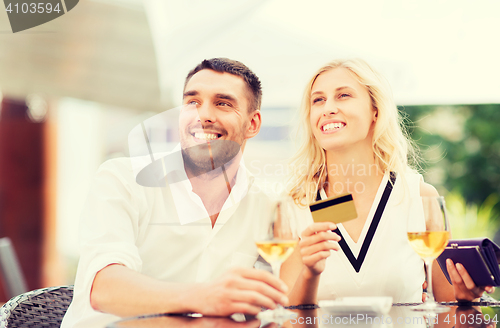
x,y
353,142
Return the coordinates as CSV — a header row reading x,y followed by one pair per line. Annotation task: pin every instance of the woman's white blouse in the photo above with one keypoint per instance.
x,y
391,267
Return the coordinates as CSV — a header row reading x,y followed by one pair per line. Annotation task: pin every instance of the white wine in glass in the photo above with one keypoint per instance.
x,y
277,243
276,251
429,242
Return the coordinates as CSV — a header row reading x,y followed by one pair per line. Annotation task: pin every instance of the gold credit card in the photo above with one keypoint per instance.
x,y
337,209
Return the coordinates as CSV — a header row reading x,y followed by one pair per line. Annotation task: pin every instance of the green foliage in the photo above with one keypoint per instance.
x,y
471,220
460,146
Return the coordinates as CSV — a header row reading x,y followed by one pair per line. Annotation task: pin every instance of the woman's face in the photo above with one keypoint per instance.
x,y
341,111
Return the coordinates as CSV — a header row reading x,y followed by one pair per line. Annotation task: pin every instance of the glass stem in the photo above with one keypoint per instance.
x,y
430,294
276,266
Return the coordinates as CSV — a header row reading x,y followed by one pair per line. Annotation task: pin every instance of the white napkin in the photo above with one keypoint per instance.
x,y
365,305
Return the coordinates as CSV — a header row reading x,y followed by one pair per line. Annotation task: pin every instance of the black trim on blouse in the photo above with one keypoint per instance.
x,y
357,262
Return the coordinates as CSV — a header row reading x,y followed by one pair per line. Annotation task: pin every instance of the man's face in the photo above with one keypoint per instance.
x,y
215,119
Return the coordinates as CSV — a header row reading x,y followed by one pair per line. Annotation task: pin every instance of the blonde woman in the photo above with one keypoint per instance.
x,y
353,142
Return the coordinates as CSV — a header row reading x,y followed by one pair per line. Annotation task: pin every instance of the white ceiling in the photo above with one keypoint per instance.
x,y
99,51
432,51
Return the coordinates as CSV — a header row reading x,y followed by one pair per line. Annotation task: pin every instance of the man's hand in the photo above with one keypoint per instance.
x,y
121,291
316,243
463,285
240,291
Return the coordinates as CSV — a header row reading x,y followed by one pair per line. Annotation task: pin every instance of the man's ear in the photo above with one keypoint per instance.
x,y
255,123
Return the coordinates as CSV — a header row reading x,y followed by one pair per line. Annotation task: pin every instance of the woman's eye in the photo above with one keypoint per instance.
x,y
316,100
344,95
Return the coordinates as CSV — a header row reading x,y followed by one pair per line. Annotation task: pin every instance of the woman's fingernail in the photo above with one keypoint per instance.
x,y
332,227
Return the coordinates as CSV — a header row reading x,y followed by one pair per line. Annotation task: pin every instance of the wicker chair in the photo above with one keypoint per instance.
x,y
38,308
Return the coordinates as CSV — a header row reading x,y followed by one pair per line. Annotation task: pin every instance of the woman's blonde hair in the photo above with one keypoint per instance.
x,y
391,146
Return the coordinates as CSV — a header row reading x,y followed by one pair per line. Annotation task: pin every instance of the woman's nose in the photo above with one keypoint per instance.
x,y
330,108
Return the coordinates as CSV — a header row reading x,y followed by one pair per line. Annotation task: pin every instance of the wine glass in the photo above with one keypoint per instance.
x,y
429,242
277,243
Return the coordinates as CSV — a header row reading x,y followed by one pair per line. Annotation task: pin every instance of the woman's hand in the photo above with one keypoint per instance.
x,y
463,285
315,246
424,294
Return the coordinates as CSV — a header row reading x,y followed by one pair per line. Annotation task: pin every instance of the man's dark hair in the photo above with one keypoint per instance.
x,y
225,65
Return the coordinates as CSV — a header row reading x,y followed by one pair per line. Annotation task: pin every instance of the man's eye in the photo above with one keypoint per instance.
x,y
223,104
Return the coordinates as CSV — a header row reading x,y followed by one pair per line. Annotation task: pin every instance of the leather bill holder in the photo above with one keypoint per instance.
x,y
337,209
479,257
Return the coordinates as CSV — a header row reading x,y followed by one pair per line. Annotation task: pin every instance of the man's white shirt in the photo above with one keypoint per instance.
x,y
162,232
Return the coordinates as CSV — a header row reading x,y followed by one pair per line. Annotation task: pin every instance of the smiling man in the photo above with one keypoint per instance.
x,y
221,111
188,246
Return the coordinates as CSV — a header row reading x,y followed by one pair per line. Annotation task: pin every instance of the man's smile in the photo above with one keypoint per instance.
x,y
206,136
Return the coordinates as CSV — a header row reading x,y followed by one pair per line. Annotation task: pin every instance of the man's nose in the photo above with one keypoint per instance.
x,y
206,113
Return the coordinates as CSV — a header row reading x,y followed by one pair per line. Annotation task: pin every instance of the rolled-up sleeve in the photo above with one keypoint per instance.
x,y
109,228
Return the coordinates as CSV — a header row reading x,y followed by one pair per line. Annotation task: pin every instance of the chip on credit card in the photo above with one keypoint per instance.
x,y
336,209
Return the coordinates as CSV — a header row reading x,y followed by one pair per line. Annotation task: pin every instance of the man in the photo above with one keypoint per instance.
x,y
187,246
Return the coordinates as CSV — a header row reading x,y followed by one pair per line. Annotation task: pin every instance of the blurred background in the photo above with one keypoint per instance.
x,y
73,88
